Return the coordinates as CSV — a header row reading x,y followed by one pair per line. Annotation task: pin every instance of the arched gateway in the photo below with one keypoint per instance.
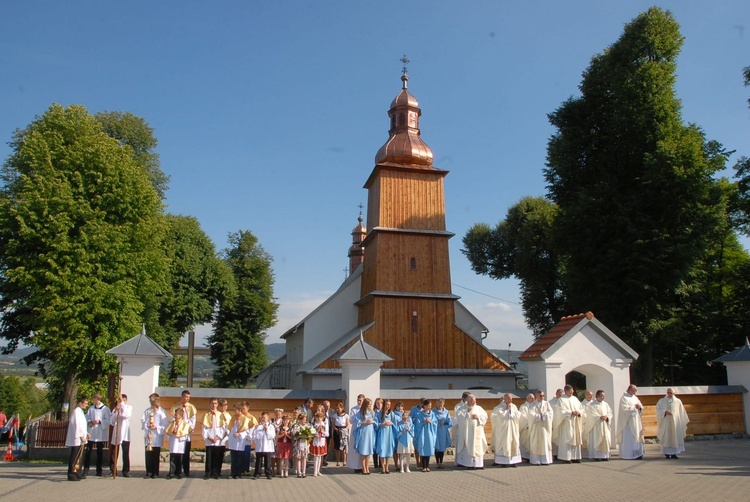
x,y
582,344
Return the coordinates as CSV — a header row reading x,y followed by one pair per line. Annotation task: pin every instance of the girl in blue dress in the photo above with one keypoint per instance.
x,y
365,444
444,424
404,445
386,436
427,434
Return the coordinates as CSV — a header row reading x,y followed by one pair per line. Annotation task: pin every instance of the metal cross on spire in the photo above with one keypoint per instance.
x,y
405,61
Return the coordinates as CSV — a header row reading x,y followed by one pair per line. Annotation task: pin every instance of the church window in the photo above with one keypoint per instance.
x,y
414,322
401,119
413,263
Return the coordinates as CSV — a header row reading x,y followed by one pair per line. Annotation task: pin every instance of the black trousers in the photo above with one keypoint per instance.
x,y
439,456
213,459
99,456
175,464
72,461
236,457
265,459
186,457
123,453
152,461
424,462
222,451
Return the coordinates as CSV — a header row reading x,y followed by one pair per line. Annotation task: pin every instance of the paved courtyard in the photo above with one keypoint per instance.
x,y
708,470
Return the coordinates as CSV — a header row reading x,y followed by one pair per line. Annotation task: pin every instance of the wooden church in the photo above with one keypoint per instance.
x,y
398,296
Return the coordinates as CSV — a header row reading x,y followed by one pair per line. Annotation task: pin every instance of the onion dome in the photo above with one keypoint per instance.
x,y
405,146
356,251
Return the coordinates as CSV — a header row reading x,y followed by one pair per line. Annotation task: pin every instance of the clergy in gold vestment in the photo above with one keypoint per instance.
x,y
567,427
506,439
471,443
597,428
671,420
540,431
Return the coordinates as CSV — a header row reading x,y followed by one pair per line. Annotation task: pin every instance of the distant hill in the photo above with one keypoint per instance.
x,y
275,351
12,364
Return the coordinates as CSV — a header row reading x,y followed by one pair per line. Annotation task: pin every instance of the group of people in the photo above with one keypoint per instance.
x,y
537,432
569,430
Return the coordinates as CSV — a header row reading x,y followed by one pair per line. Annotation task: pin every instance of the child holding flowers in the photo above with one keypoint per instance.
x,y
303,433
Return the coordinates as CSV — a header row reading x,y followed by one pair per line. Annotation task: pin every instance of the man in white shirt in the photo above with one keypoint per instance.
x,y
553,405
597,428
671,420
567,428
584,404
214,432
98,417
539,417
524,426
471,442
189,415
153,422
630,425
506,439
76,438
120,421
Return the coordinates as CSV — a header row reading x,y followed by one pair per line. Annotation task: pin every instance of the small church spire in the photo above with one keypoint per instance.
x,y
356,251
405,146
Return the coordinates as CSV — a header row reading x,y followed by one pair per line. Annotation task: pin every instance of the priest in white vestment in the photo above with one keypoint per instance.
x,y
597,428
553,404
567,427
540,431
587,401
671,420
471,442
506,439
353,460
630,425
523,425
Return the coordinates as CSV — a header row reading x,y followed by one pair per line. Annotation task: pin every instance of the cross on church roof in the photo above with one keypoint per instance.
x,y
405,61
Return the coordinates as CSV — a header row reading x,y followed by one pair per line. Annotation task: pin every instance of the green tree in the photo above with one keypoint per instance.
x,y
135,133
197,278
634,187
742,202
245,313
522,246
22,397
80,233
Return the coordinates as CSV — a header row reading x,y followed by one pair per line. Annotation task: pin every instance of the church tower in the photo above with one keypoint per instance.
x,y
406,281
397,297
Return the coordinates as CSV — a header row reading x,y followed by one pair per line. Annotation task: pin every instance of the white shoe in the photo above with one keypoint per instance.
x,y
407,469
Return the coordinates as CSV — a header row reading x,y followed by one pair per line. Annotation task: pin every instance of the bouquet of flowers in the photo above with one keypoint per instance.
x,y
304,432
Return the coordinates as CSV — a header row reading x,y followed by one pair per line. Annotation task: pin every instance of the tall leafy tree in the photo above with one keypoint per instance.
x,y
80,231
633,184
133,132
742,201
522,246
198,277
245,312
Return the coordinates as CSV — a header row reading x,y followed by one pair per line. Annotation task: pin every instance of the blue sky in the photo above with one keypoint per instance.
x,y
269,114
